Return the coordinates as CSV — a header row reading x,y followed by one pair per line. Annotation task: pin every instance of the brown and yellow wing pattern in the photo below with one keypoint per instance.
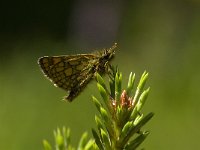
x,y
73,72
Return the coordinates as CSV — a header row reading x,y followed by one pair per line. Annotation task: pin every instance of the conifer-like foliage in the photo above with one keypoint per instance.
x,y
120,121
120,118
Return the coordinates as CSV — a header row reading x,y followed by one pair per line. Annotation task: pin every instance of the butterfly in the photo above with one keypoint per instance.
x,y
73,72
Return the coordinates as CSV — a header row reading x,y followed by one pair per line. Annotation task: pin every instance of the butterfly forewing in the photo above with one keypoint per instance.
x,y
64,69
73,72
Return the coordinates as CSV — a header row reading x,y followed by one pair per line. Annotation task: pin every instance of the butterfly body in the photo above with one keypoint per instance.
x,y
73,72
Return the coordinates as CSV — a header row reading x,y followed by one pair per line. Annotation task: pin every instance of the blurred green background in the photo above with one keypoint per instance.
x,y
160,36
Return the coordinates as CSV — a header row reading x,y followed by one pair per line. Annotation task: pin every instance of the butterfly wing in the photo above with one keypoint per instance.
x,y
73,72
68,72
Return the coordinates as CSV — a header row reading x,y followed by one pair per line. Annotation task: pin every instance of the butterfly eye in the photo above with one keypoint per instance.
x,y
107,56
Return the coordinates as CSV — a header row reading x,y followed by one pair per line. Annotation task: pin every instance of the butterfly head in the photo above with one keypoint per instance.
x,y
108,54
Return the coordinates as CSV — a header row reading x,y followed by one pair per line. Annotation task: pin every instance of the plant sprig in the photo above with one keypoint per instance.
x,y
119,121
63,141
120,115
